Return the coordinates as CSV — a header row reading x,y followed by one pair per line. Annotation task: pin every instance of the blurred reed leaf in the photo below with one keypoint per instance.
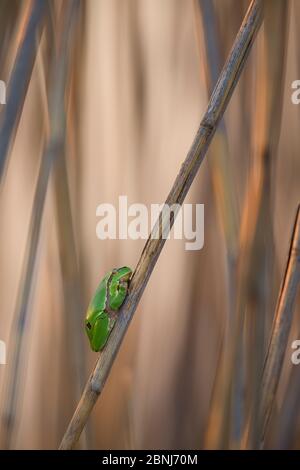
x,y
255,270
73,370
226,199
20,75
53,149
286,423
9,22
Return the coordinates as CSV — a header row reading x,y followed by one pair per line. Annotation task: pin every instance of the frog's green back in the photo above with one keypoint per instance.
x,y
99,300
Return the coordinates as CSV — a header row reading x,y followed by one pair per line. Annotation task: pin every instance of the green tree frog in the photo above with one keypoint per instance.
x,y
103,309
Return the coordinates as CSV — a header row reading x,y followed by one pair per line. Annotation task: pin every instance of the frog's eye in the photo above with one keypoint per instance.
x,y
88,325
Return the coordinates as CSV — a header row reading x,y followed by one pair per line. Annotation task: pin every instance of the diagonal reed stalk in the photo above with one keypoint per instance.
x,y
280,332
53,149
153,247
20,76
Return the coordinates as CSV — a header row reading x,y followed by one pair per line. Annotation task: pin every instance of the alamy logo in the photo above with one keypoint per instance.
x,y
135,222
295,357
2,92
2,353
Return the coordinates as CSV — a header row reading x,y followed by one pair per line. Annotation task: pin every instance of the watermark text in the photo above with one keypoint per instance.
x,y
2,353
2,92
136,222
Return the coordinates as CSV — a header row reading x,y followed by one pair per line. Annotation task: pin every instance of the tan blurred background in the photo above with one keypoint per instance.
x,y
140,73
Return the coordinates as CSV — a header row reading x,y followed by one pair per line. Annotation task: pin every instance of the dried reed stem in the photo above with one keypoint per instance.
x,y
215,110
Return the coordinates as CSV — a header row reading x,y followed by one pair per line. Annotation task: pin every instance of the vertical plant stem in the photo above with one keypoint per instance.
x,y
256,237
72,294
73,305
226,202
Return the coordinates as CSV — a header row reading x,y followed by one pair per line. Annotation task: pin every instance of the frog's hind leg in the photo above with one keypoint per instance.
x,y
101,333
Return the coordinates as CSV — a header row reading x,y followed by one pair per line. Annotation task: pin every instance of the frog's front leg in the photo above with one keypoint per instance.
x,y
117,293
